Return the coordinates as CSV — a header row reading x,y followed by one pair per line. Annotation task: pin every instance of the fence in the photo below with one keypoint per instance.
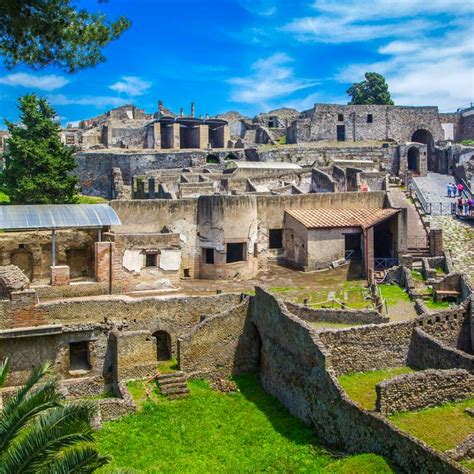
x,y
412,186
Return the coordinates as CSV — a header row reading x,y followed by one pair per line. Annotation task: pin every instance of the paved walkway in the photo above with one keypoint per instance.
x,y
417,238
434,188
458,237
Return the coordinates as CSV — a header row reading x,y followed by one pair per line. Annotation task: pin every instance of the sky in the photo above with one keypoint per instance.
x,y
253,56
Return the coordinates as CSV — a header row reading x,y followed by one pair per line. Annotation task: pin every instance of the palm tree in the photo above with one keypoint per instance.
x,y
41,433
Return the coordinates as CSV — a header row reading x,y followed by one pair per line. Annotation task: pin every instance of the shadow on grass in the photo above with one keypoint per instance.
x,y
298,432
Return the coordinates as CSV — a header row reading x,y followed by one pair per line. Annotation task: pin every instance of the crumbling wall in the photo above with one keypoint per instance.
x,y
418,390
222,345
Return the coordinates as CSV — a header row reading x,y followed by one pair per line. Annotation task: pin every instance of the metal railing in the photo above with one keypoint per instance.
x,y
384,263
412,186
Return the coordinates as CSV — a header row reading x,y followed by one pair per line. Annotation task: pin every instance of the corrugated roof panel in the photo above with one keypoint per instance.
x,y
57,216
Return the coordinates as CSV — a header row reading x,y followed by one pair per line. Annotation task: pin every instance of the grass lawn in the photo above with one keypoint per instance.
x,y
437,304
246,431
360,386
81,199
355,294
393,294
442,427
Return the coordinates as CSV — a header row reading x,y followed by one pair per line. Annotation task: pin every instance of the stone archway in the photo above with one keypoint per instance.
x,y
413,159
426,137
163,345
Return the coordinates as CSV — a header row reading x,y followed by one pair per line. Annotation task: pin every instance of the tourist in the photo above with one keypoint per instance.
x,y
466,207
460,205
453,189
471,206
450,190
460,188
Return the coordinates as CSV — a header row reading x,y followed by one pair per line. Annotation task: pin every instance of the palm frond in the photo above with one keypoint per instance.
x,y
55,430
4,366
76,459
18,412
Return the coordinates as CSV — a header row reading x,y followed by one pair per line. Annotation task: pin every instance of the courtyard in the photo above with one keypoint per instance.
x,y
243,431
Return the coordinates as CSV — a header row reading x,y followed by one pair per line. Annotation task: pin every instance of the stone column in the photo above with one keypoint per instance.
x,y
203,136
103,251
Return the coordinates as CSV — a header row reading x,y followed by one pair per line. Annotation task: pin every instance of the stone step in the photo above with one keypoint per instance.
x,y
174,390
172,375
177,383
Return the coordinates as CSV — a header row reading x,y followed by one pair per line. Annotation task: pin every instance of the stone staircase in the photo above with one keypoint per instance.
x,y
173,385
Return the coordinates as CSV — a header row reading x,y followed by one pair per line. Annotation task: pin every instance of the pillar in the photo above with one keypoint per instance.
x,y
203,136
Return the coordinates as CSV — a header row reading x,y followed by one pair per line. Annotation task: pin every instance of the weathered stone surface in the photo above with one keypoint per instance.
x,y
423,389
12,279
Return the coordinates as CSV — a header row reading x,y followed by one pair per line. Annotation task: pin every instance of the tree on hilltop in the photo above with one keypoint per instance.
x,y
38,165
39,33
372,91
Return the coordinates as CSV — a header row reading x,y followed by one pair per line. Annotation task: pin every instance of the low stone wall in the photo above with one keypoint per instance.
x,y
220,346
427,388
113,408
83,387
297,369
428,352
336,315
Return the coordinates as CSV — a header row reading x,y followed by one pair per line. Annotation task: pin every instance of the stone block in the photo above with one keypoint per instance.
x,y
60,275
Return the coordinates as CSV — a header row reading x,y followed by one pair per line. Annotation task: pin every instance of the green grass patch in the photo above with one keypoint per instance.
x,y
81,199
416,275
168,366
442,427
281,289
393,294
431,304
360,386
247,431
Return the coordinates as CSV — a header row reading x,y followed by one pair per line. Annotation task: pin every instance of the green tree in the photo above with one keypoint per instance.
x,y
41,433
38,165
374,90
54,32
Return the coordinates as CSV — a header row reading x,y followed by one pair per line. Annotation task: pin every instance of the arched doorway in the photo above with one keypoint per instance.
x,y
23,259
163,345
413,159
424,136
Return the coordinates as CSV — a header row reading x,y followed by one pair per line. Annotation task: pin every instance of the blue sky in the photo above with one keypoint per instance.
x,y
257,55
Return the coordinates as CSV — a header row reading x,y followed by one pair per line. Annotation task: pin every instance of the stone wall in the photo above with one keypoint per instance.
x,y
324,155
297,370
386,122
391,345
336,315
321,182
427,352
220,346
424,389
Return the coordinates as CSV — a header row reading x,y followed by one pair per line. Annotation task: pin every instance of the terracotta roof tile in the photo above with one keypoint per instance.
x,y
326,218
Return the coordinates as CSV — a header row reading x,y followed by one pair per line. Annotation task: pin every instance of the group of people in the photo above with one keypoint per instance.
x,y
454,190
465,206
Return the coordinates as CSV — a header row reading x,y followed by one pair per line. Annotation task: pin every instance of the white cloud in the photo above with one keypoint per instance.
x,y
271,78
131,85
46,83
260,7
98,101
428,71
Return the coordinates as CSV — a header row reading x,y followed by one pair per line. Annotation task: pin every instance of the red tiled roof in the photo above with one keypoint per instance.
x,y
326,218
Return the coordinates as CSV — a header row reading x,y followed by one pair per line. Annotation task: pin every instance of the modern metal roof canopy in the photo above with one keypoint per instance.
x,y
57,216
